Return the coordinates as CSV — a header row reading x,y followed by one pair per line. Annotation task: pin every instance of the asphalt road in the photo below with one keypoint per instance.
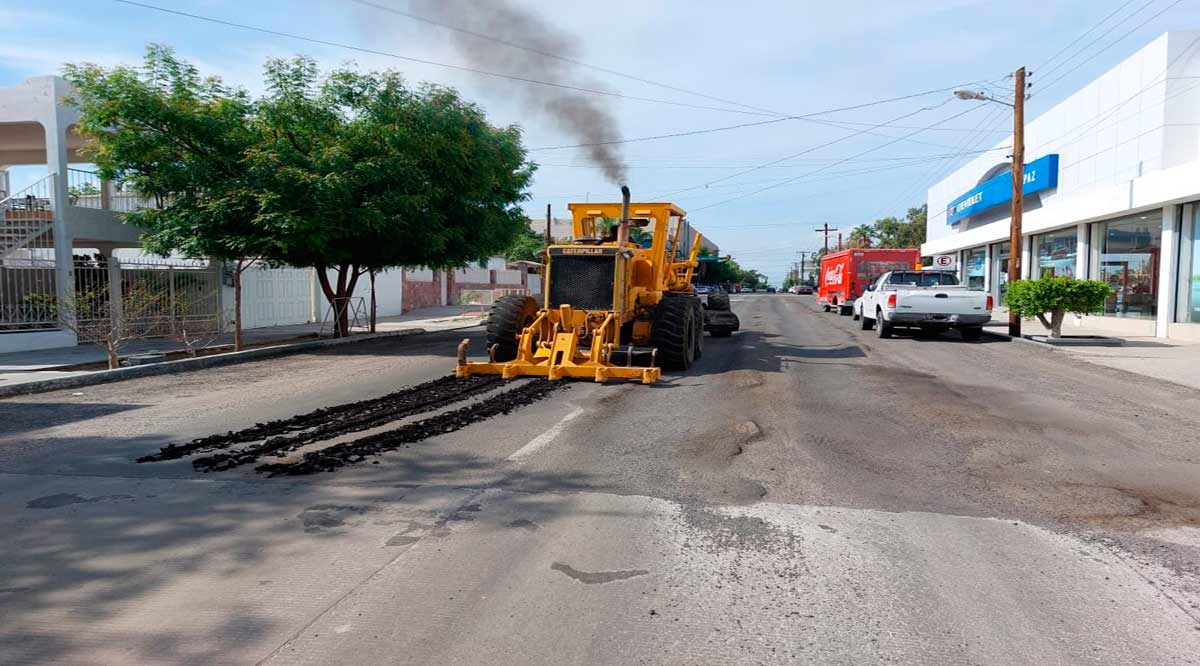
x,y
808,494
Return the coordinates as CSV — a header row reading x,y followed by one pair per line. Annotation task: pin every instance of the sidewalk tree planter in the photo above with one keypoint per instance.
x,y
1055,297
344,172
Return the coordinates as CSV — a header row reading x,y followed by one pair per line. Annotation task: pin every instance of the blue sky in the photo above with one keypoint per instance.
x,y
793,58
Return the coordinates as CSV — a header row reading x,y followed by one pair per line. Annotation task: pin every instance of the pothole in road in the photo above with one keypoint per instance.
x,y
596,577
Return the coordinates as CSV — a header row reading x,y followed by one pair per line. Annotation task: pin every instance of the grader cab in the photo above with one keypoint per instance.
x,y
611,308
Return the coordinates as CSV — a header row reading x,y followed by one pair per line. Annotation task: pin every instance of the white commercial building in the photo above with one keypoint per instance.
x,y
1112,189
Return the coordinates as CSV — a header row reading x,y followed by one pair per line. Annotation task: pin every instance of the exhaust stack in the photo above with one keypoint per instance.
x,y
623,226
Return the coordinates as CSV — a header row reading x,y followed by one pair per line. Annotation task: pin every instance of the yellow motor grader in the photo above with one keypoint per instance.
x,y
611,308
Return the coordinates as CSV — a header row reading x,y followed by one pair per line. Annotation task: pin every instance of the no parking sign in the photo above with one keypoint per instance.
x,y
945,262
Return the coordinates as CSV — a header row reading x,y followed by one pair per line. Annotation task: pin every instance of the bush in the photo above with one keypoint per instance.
x,y
1056,296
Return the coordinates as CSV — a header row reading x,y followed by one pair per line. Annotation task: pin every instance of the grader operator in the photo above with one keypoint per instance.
x,y
610,308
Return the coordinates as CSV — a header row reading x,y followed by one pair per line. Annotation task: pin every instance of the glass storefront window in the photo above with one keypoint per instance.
x,y
976,262
1129,256
1056,253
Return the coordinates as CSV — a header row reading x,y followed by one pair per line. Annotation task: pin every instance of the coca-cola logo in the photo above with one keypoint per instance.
x,y
834,275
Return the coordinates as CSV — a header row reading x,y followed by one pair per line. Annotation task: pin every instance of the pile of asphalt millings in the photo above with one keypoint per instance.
x,y
278,438
347,453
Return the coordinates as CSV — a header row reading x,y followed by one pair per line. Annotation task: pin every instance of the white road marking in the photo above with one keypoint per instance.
x,y
543,440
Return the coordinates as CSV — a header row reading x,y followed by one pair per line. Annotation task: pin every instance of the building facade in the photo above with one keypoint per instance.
x,y
1112,192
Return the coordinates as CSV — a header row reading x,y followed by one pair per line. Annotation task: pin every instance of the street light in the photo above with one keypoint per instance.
x,y
1015,241
978,96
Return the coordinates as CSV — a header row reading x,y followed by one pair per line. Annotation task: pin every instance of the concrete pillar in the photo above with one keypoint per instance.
x,y
1167,254
116,309
55,123
1183,274
988,257
1026,256
1082,250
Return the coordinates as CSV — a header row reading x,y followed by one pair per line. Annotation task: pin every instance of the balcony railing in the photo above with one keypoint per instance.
x,y
85,189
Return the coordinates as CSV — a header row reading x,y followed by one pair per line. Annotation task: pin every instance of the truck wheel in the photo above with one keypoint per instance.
x,y
844,310
674,333
971,333
718,301
865,322
882,326
510,315
826,307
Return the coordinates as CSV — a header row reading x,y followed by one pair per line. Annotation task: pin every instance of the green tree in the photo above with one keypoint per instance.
x,y
182,140
861,236
893,232
1055,296
348,173
528,246
367,173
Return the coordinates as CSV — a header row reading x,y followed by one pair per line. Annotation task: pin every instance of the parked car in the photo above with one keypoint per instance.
x,y
932,301
702,289
803,289
770,290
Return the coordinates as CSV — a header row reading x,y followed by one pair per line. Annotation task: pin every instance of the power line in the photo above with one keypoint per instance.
x,y
793,155
1085,47
907,158
555,56
1113,43
423,61
870,150
1075,41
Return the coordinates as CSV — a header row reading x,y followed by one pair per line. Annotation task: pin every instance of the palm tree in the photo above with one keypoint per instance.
x,y
860,236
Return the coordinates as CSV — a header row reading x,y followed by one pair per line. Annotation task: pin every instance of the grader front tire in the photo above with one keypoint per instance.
x,y
510,315
674,332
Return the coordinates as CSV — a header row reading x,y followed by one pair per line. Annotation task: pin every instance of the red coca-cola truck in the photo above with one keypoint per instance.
x,y
845,273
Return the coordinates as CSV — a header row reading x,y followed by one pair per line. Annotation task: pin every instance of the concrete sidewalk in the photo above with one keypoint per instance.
x,y
1175,361
25,367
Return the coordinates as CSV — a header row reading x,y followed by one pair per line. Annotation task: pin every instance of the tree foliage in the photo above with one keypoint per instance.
x,y
1055,296
347,173
527,246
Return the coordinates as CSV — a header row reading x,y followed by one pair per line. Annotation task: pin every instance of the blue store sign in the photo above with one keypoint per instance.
x,y
1040,174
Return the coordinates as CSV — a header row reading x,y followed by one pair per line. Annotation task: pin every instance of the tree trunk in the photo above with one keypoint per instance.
x,y
327,289
237,307
112,348
1056,322
373,301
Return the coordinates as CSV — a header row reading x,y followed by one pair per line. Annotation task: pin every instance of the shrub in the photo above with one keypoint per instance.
x,y
1055,296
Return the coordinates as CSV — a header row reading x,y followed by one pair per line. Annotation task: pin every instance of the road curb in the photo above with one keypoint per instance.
x,y
1022,340
188,364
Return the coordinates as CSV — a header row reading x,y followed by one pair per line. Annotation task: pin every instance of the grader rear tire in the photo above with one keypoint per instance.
x,y
510,315
674,332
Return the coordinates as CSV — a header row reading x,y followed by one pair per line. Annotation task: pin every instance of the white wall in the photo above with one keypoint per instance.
x,y
472,274
1136,120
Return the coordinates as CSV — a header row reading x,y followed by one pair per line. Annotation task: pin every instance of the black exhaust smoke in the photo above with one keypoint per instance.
x,y
579,114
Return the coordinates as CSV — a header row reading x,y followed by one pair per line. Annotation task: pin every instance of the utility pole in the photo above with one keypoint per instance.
x,y
1016,243
825,228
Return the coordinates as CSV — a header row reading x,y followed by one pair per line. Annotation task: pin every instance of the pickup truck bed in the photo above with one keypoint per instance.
x,y
928,300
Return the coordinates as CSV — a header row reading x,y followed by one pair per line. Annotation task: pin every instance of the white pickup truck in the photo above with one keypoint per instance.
x,y
925,300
